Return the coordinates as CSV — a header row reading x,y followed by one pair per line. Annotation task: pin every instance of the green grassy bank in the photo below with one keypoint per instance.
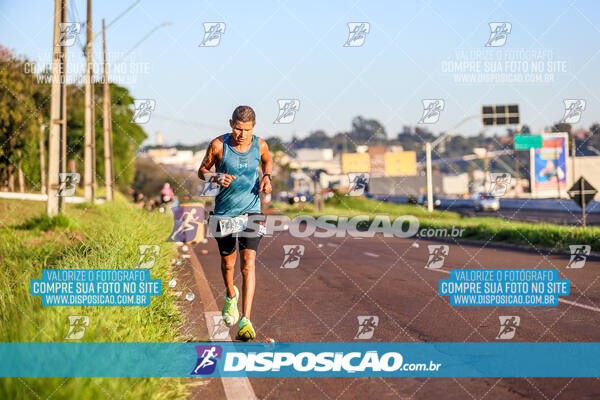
x,y
86,236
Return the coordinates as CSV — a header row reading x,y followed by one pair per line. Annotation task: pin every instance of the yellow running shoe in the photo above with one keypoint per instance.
x,y
230,311
246,330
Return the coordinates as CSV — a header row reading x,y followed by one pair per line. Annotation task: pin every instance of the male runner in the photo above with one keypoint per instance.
x,y
236,157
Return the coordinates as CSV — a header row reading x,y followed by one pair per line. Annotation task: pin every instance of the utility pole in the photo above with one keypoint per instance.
x,y
516,152
107,120
57,110
21,175
428,147
517,181
429,177
63,105
94,183
583,205
89,137
573,155
556,170
63,126
43,157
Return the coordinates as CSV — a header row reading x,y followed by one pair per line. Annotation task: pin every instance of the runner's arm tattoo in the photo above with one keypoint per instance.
x,y
210,159
208,162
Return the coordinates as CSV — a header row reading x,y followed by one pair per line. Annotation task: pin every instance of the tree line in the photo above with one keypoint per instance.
x,y
24,125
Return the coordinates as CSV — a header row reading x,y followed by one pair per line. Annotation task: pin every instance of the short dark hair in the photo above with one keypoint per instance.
x,y
243,114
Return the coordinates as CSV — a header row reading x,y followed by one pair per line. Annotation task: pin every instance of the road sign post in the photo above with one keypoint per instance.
x,y
524,142
582,201
429,177
582,192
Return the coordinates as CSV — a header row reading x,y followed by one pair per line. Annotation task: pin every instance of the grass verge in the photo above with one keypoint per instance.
x,y
87,236
491,229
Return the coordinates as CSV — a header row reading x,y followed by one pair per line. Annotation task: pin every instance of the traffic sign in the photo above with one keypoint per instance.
x,y
500,114
582,192
526,142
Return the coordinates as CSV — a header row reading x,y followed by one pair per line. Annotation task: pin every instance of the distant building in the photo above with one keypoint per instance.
x,y
377,160
381,163
314,159
159,138
303,155
185,159
455,185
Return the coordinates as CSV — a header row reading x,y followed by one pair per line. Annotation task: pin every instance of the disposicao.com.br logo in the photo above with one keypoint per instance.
x,y
298,364
326,226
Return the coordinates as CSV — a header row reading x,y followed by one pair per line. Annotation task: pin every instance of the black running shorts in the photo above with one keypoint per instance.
x,y
248,239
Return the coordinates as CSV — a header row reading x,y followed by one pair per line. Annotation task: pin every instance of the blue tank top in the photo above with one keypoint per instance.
x,y
242,196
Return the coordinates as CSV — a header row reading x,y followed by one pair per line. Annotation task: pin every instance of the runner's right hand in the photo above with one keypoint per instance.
x,y
225,179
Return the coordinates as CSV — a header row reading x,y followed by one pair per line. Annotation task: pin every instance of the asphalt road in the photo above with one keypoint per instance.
x,y
339,279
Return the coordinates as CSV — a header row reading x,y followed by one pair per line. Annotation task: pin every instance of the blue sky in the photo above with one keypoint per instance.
x,y
294,50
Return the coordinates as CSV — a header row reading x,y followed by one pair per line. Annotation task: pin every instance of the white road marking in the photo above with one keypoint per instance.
x,y
569,302
366,253
332,245
575,304
438,270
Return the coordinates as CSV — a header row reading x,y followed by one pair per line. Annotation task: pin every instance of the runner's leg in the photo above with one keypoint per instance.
x,y
227,269
248,245
230,311
228,256
247,263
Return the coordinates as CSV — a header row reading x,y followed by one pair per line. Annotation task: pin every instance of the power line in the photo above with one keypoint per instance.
x,y
119,16
144,38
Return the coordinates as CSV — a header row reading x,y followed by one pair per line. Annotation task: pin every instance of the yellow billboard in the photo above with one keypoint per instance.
x,y
403,163
356,162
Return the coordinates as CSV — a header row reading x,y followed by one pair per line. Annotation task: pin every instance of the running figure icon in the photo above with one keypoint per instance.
x,y
207,361
188,223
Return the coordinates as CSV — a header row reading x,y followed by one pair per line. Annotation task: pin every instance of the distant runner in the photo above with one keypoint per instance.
x,y
236,157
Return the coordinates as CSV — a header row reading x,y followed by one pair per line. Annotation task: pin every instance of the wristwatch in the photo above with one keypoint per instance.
x,y
269,175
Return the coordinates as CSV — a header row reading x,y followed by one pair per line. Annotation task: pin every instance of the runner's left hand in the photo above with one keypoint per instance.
x,y
265,185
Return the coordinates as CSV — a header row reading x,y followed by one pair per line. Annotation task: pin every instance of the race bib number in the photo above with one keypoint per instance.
x,y
233,225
